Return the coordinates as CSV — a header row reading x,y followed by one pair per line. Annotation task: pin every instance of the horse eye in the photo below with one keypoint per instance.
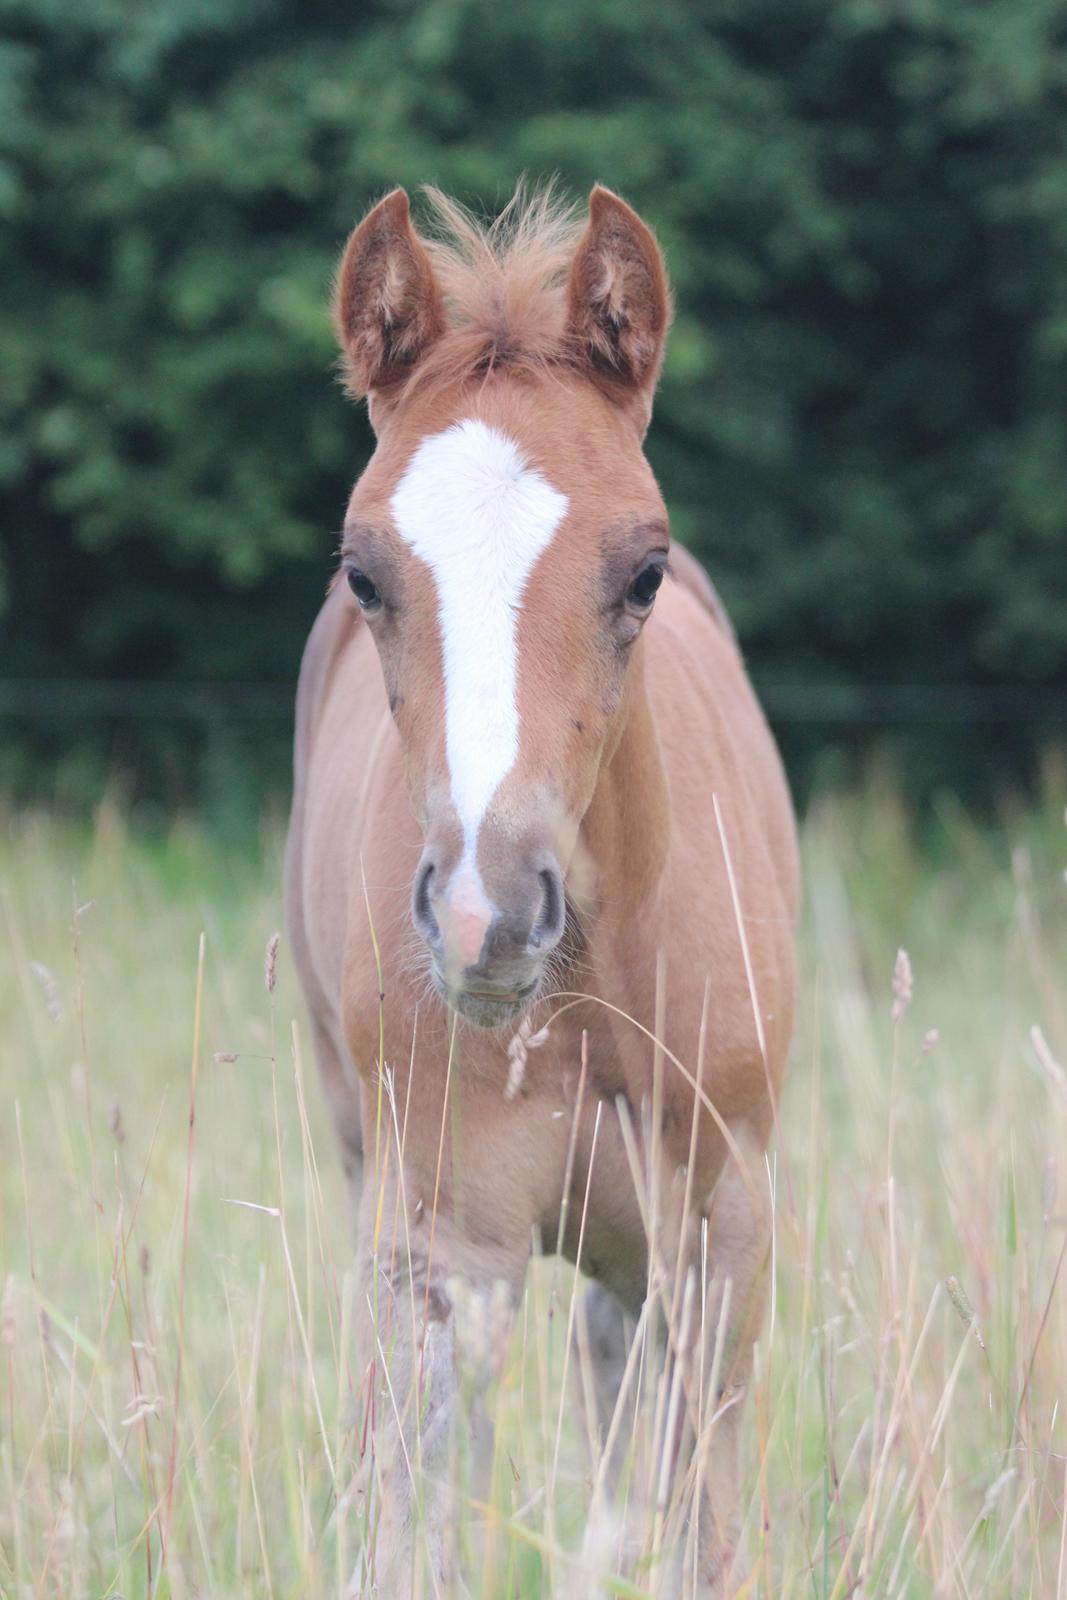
x,y
642,590
363,589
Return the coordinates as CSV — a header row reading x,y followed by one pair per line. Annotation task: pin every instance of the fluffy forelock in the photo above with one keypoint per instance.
x,y
504,284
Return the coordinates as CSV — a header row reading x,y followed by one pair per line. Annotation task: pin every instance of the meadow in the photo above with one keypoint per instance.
x,y
179,1399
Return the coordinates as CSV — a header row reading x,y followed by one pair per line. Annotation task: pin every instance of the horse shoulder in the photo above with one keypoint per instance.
x,y
729,802
706,688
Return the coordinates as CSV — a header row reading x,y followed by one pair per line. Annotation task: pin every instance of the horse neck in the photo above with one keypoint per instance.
x,y
626,830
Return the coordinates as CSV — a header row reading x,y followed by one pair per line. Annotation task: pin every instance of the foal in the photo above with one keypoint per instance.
x,y
523,726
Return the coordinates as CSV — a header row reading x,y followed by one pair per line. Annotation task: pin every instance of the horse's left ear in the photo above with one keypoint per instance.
x,y
618,301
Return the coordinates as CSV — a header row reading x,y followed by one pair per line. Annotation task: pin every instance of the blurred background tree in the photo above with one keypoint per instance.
x,y
862,426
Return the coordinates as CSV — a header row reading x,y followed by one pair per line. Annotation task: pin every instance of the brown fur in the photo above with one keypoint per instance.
x,y
618,303
639,740
387,306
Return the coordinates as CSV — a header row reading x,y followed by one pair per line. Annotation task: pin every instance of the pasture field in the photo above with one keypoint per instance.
x,y
179,1405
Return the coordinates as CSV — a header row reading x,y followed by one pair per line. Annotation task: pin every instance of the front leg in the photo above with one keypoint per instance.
x,y
407,1341
426,1295
737,1226
708,1285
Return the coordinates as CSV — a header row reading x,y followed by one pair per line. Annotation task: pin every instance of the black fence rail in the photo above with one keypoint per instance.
x,y
83,699
58,699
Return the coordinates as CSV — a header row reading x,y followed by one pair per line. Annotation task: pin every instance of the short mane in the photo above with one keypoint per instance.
x,y
504,284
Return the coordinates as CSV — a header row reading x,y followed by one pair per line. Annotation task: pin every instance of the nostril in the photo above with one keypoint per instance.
x,y
422,910
548,928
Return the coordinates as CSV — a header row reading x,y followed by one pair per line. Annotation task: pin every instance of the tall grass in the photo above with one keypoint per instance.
x,y
181,1410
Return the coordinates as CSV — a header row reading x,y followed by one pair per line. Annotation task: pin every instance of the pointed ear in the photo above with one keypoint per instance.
x,y
387,306
618,302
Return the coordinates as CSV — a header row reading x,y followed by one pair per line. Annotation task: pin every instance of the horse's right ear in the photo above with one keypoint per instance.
x,y
387,306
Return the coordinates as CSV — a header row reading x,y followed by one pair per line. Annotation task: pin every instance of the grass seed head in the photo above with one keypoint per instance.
x,y
521,1044
115,1122
46,981
902,984
270,960
964,1308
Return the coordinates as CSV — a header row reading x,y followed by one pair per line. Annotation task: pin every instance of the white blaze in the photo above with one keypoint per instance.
x,y
479,517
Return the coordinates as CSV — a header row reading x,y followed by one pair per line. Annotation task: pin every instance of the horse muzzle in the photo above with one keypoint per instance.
x,y
489,950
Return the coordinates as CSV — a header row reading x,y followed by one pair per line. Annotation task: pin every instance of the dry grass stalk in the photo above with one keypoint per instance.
x,y
877,1449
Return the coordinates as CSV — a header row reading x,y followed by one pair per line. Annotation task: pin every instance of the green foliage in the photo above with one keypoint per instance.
x,y
861,426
